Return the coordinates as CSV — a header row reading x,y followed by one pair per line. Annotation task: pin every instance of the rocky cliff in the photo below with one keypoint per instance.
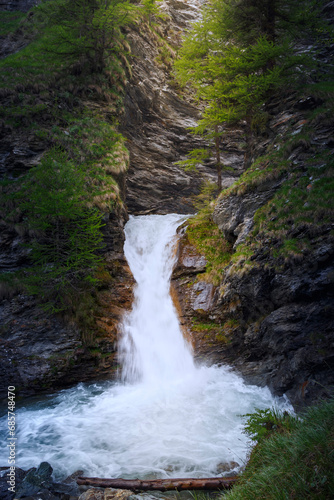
x,y
156,121
38,351
271,313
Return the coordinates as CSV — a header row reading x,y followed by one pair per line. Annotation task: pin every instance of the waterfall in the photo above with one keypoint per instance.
x,y
167,417
153,349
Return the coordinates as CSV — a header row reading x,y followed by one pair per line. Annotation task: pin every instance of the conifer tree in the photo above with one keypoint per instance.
x,y
88,30
236,56
67,236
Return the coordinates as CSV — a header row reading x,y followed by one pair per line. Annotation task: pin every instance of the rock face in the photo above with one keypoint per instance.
x,y
156,121
234,214
276,312
278,327
39,351
22,5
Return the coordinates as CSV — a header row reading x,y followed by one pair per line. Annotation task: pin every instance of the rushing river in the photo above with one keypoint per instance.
x,y
166,417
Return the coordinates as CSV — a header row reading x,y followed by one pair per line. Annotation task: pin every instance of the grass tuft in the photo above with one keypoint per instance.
x,y
293,460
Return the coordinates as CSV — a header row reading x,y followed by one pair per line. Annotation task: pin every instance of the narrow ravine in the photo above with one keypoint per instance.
x,y
157,119
168,417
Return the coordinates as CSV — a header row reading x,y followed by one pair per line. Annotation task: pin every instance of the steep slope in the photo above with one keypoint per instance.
x,y
156,121
269,309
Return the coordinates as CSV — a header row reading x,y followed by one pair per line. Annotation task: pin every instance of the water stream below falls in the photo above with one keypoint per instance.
x,y
167,417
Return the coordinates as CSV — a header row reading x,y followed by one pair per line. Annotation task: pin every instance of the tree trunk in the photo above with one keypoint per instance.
x,y
271,20
249,142
218,164
214,483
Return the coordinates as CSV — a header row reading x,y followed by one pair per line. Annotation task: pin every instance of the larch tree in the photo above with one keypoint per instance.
x,y
235,57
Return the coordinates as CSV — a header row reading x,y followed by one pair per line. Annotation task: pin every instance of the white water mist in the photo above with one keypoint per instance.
x,y
168,418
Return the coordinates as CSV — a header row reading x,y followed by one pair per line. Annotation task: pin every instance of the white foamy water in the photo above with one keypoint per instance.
x,y
153,349
168,418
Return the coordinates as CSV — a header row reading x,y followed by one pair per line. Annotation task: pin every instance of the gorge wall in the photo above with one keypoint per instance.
x,y
39,351
271,312
271,315
156,121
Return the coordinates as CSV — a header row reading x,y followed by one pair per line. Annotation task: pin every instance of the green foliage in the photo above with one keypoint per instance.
x,y
72,44
195,157
240,84
247,20
303,200
294,460
28,65
233,78
10,21
151,10
65,90
213,333
205,235
88,30
237,56
68,238
262,423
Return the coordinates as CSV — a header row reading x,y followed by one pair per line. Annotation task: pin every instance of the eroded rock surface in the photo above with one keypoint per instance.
x,y
276,311
156,121
39,351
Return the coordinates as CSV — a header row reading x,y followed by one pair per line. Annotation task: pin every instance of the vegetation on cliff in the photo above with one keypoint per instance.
x,y
293,457
64,91
237,56
241,59
271,230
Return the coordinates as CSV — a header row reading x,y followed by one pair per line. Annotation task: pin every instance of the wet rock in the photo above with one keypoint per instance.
x,y
36,481
5,494
294,352
230,467
63,491
92,494
189,261
39,351
116,494
202,296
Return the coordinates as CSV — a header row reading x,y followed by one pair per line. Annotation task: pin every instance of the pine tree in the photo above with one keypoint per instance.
x,y
87,30
236,56
65,250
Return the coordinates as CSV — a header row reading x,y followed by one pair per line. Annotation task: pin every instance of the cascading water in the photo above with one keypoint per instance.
x,y
168,418
153,349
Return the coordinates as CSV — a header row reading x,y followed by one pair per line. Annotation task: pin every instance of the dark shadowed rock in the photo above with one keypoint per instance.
x,y
35,481
22,5
234,214
156,122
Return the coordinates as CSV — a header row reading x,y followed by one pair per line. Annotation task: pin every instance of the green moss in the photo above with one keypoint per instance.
x,y
265,169
205,235
215,332
303,201
242,255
